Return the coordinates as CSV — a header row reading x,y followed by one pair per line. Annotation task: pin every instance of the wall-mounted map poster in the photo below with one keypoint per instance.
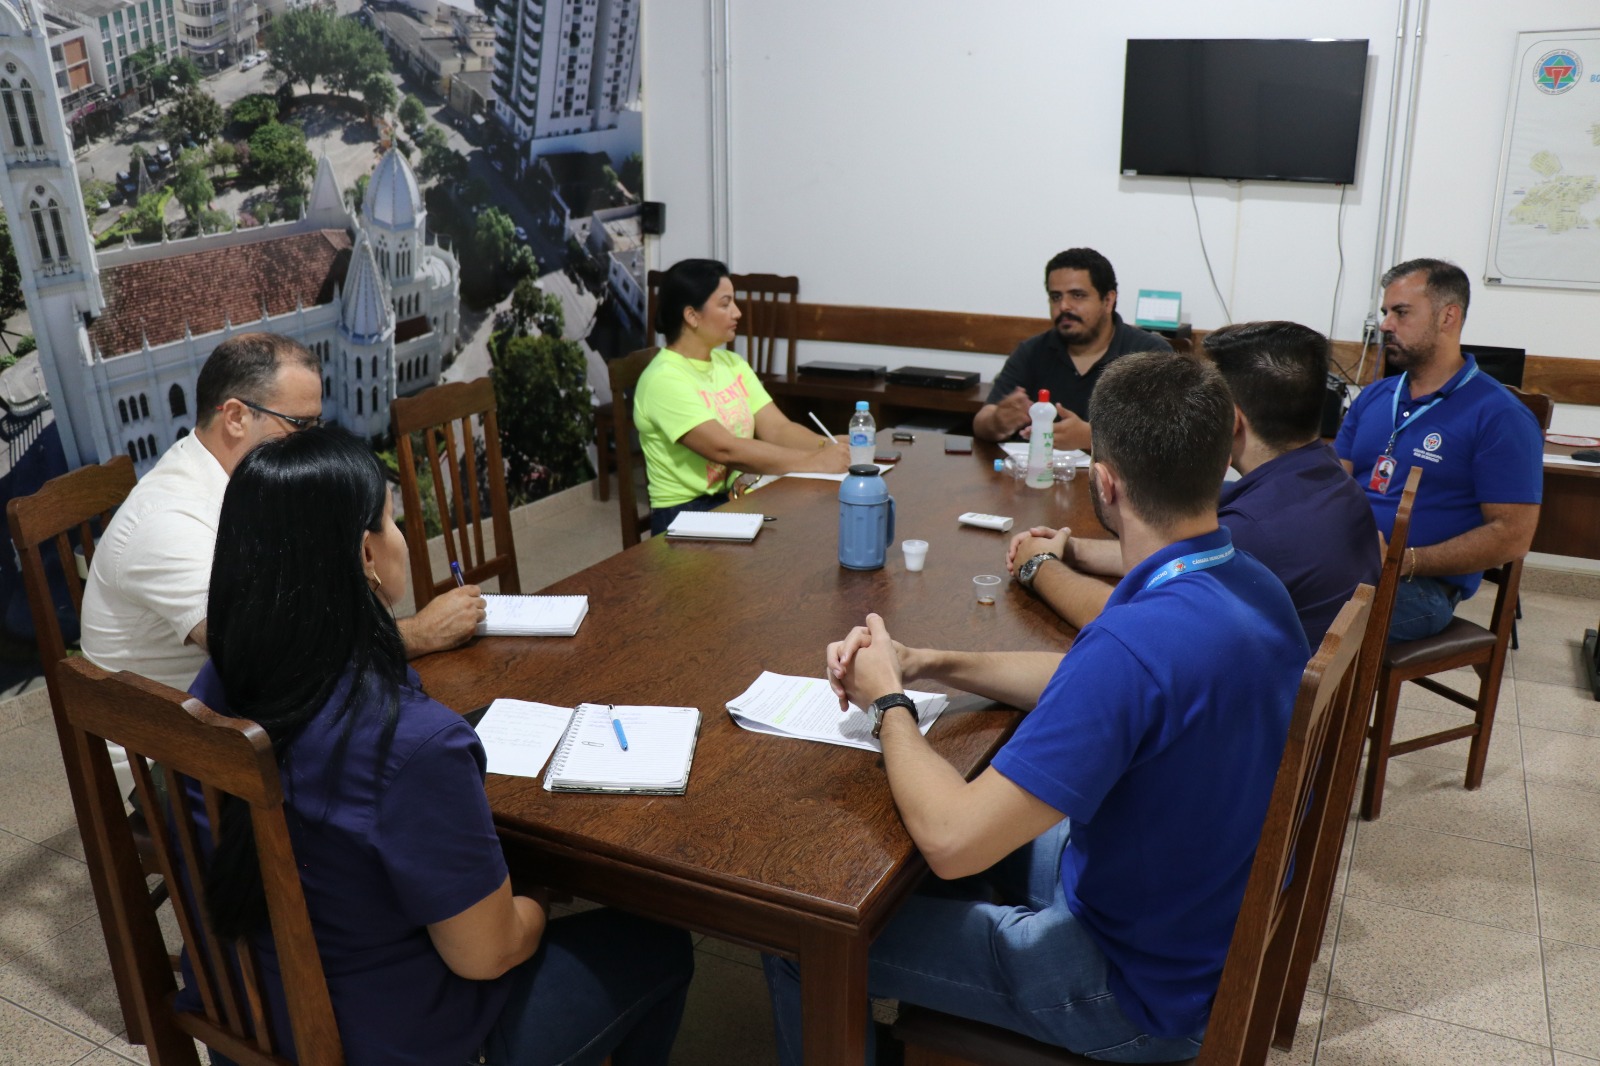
x,y
1547,204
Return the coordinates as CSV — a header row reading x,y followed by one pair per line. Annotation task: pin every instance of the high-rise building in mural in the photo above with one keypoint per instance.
x,y
565,67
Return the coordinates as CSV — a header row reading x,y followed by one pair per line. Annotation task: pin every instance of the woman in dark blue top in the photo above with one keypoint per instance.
x,y
430,958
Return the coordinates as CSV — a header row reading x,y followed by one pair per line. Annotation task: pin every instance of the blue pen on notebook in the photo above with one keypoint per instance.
x,y
616,726
455,568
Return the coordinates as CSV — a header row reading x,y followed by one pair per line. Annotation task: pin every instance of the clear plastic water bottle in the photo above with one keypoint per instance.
x,y
863,435
1041,442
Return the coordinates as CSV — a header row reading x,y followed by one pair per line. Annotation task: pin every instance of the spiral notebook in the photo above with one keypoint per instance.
x,y
590,757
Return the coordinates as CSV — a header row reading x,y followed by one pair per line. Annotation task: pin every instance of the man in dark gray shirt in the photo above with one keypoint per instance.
x,y
1068,359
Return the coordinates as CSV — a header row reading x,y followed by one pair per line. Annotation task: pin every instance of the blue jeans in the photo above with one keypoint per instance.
x,y
602,983
1024,963
661,518
1422,607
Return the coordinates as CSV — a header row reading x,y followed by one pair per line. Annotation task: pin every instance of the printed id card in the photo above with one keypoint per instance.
x,y
1382,474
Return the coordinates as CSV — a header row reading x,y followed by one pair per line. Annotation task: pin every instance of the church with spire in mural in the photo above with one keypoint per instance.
x,y
122,332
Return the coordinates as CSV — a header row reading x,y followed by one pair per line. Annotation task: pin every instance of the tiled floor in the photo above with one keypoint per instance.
x,y
1466,927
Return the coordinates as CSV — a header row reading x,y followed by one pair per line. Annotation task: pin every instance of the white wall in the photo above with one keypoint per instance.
x,y
934,154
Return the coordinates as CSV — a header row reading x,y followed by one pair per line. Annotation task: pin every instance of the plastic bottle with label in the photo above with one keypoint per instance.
x,y
1041,442
863,435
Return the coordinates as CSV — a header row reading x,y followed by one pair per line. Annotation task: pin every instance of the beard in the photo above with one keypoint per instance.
x,y
1409,357
1073,329
1100,507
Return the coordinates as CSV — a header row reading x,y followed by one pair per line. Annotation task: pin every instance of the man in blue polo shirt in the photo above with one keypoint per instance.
x,y
1295,508
1480,448
1105,850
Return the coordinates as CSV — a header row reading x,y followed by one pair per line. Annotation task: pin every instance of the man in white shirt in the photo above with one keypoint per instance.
x,y
144,606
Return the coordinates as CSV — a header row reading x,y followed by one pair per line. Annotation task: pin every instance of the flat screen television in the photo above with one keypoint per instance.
x,y
1259,110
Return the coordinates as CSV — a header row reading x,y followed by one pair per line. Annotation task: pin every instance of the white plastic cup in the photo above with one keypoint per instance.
x,y
916,554
1064,468
986,585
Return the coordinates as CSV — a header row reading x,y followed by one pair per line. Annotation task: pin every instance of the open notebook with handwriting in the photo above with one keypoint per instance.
x,y
590,757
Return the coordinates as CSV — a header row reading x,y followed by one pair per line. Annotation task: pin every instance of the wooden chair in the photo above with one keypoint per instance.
x,y
625,373
1300,823
1544,409
444,416
1461,643
226,756
1346,772
70,511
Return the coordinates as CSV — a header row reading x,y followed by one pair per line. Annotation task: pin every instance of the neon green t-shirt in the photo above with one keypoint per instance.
x,y
676,394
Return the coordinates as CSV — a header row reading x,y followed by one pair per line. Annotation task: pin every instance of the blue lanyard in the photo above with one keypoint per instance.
x,y
1187,564
1394,406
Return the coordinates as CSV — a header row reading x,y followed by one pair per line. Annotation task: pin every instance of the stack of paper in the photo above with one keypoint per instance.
x,y
715,525
805,707
519,736
532,616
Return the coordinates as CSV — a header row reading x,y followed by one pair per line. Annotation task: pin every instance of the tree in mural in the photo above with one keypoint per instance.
x,y
546,416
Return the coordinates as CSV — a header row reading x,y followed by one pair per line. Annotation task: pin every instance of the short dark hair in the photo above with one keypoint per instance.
x,y
685,284
1164,422
1278,374
245,367
289,586
1101,276
1446,284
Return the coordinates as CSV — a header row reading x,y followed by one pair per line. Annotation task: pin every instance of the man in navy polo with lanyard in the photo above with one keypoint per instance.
x,y
1102,856
1480,448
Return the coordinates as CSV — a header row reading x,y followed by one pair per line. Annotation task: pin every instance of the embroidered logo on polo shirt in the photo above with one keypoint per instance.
x,y
1432,441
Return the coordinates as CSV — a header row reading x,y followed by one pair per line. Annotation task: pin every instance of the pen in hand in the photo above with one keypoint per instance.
x,y
455,569
822,427
616,726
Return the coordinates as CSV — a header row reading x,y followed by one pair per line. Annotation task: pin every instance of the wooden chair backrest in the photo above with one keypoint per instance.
x,y
770,315
70,511
1299,822
226,756
444,416
625,373
1394,557
1542,406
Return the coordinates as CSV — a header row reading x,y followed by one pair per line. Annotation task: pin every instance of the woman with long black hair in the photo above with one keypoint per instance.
x,y
430,958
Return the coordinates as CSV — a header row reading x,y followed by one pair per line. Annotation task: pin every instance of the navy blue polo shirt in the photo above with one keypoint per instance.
x,y
1479,444
1160,736
1308,521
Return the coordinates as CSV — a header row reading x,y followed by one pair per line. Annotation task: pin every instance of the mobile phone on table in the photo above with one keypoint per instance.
x,y
954,445
887,455
903,436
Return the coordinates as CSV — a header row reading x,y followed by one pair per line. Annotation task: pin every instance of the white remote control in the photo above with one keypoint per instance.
x,y
998,523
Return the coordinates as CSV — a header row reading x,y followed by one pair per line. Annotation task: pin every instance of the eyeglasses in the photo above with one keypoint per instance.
x,y
298,422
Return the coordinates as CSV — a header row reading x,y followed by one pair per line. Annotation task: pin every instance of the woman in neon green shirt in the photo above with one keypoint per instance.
x,y
702,413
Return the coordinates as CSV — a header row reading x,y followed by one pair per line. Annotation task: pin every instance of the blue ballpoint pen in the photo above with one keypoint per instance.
x,y
455,568
616,726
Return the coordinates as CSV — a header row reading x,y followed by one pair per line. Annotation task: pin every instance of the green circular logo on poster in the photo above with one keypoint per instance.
x,y
1557,71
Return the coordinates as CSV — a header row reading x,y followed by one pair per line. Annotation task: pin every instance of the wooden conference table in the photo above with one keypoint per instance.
x,y
788,846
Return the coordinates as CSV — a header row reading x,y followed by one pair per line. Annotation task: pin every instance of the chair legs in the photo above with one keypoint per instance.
x,y
1382,737
1489,699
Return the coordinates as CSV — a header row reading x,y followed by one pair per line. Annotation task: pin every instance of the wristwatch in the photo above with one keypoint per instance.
x,y
1027,570
881,705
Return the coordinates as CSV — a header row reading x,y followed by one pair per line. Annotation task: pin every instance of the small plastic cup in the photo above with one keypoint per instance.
x,y
916,554
986,585
1064,467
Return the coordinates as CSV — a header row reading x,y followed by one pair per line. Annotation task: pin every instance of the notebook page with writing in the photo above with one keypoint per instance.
x,y
714,525
519,736
661,743
532,616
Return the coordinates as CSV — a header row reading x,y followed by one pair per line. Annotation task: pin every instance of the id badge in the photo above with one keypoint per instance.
x,y
1382,474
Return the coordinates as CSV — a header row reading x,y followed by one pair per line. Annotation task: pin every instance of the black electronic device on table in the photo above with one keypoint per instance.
x,y
927,377
1505,365
827,369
